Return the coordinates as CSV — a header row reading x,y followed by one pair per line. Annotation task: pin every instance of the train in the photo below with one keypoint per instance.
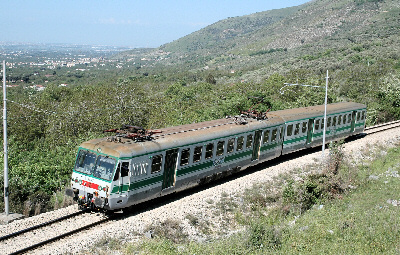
x,y
136,165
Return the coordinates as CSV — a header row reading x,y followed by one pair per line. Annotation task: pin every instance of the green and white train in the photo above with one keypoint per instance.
x,y
130,167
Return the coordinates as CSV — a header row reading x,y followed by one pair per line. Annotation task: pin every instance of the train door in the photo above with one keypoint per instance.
x,y
310,131
171,157
123,176
256,145
353,121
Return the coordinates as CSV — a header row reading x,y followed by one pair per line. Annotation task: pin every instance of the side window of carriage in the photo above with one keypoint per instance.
x,y
156,163
249,141
297,129
209,150
220,148
266,136
230,146
240,143
197,153
274,134
316,127
185,156
304,127
289,130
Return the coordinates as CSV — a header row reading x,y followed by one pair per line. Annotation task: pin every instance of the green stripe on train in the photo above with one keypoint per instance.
x,y
137,185
195,168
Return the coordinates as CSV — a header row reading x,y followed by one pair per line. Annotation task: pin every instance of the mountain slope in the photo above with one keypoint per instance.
x,y
309,32
225,33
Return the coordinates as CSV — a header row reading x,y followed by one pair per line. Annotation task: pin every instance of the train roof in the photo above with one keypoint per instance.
x,y
195,133
173,137
317,111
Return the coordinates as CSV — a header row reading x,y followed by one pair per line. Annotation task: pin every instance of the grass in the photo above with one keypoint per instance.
x,y
347,209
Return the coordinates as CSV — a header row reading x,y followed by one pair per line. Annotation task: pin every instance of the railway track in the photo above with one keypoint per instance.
x,y
7,240
382,127
41,234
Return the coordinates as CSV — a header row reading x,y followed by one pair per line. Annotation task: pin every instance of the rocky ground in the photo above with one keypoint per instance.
x,y
200,206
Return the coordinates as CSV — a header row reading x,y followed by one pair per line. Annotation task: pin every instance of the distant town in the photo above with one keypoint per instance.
x,y
36,65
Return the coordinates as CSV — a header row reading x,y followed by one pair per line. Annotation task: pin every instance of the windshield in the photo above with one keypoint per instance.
x,y
101,166
104,167
85,162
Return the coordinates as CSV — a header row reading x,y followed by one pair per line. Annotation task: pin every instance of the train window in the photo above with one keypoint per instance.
x,y
358,116
339,122
197,153
266,136
156,163
104,167
209,150
85,162
349,118
289,130
334,121
304,128
249,141
273,135
281,133
124,169
316,124
297,129
231,145
240,142
220,148
329,122
363,115
185,156
322,123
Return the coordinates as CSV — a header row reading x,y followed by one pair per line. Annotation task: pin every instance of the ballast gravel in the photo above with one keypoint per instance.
x,y
201,204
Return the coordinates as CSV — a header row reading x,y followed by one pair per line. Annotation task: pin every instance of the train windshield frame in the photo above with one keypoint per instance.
x,y
97,165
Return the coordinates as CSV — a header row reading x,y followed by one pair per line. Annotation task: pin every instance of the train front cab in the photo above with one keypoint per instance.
x,y
100,181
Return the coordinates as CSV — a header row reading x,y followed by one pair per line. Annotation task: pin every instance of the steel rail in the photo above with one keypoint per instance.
x,y
382,125
32,247
389,125
40,225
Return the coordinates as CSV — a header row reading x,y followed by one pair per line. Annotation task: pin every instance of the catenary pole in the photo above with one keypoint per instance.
x,y
6,193
326,102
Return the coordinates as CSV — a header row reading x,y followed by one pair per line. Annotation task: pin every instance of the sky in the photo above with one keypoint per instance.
x,y
127,23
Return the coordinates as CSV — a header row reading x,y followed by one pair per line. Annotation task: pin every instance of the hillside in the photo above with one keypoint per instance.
x,y
318,35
